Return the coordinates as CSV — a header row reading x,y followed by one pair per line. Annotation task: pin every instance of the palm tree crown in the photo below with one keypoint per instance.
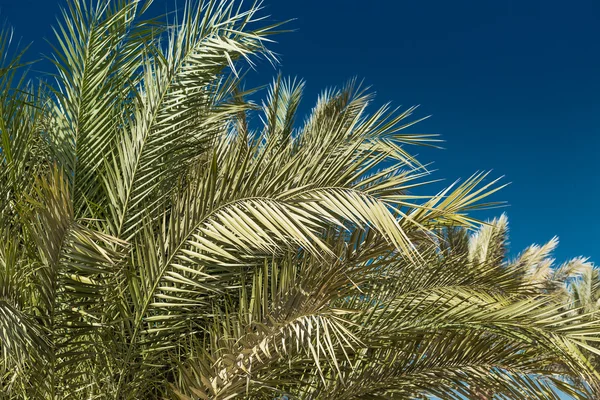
x,y
157,240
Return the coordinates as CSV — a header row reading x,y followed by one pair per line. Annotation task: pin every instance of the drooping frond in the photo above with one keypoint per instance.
x,y
370,330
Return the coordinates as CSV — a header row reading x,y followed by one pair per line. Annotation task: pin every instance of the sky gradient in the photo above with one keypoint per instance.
x,y
512,87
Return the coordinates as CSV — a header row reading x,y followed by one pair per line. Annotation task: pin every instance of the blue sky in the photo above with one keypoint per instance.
x,y
512,86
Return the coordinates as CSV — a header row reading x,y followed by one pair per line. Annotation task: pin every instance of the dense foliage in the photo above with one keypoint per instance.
x,y
162,236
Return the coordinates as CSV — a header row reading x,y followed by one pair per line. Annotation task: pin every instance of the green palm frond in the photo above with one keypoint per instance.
x,y
177,110
97,60
391,333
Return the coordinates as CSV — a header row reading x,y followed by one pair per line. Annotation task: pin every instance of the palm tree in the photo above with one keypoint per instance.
x,y
159,241
576,282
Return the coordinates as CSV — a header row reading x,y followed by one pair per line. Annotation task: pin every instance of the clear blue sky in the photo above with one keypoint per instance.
x,y
512,86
